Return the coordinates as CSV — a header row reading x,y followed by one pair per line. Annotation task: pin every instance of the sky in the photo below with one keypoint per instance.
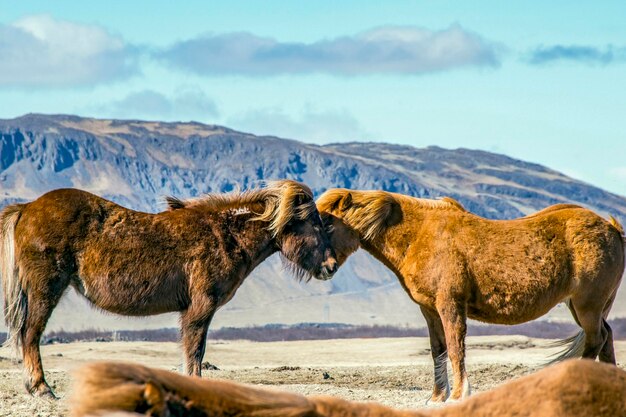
x,y
539,81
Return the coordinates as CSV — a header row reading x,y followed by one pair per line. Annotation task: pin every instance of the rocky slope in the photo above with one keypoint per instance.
x,y
136,163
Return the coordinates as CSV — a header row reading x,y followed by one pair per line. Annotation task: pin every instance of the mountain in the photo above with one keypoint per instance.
x,y
136,163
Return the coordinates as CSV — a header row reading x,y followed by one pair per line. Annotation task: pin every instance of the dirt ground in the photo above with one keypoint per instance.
x,y
396,372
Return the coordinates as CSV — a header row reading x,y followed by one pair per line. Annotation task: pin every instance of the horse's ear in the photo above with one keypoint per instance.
x,y
299,200
174,203
341,202
345,202
395,214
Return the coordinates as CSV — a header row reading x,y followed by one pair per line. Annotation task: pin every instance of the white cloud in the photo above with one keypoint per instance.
x,y
42,51
387,49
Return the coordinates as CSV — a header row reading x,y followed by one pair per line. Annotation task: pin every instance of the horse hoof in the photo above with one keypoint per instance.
x,y
435,401
452,400
438,398
43,391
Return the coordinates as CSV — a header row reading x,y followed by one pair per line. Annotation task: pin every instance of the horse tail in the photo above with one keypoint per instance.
x,y
15,304
617,226
574,347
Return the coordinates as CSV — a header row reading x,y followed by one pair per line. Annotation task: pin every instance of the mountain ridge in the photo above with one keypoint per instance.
x,y
135,163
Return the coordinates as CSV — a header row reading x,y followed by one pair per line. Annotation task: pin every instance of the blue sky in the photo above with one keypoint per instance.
x,y
540,81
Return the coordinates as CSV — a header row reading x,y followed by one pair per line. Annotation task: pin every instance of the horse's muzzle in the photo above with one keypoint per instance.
x,y
328,269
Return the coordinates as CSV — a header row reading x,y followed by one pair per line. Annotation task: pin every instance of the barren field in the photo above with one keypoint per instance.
x,y
396,372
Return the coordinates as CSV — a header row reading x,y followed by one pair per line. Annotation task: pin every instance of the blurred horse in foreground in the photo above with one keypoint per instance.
x,y
575,388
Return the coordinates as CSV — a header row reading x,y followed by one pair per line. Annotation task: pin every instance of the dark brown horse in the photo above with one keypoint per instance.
x,y
191,258
456,265
573,389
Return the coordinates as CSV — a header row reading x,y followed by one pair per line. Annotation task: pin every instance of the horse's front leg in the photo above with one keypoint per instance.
x,y
439,352
194,327
453,317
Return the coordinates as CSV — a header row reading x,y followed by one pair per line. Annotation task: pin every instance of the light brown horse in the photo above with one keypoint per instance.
x,y
574,389
191,258
456,265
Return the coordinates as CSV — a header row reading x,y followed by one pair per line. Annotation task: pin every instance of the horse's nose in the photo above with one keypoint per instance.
x,y
330,266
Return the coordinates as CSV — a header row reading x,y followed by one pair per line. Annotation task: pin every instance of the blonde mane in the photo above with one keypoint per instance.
x,y
371,212
277,202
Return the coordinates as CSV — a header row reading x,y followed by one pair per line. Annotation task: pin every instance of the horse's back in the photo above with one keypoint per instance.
x,y
69,199
553,208
575,221
59,219
587,232
596,243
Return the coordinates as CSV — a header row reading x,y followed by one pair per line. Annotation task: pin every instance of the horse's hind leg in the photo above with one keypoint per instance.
x,y
589,316
607,353
43,296
438,349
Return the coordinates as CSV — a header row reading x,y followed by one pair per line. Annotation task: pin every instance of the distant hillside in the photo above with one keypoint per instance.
x,y
136,163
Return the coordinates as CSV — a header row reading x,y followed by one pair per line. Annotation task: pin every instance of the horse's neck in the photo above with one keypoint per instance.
x,y
390,246
256,243
389,255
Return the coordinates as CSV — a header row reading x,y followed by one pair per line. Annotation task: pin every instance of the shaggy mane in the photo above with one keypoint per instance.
x,y
279,202
445,203
370,212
